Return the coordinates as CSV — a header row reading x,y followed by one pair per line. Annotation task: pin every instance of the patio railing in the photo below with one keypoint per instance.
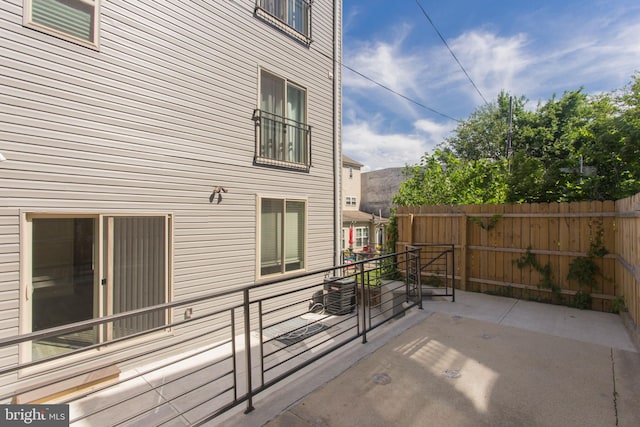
x,y
218,351
437,270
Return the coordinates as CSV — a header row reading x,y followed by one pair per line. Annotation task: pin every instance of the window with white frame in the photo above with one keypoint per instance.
x,y
73,20
282,134
282,234
291,16
88,266
362,236
351,201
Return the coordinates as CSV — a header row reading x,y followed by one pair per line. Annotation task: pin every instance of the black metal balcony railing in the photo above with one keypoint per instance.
x,y
292,17
196,368
281,141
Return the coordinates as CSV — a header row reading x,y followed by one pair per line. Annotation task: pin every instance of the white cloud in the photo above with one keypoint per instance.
x,y
524,65
593,58
379,150
386,62
434,131
494,63
431,77
553,54
390,64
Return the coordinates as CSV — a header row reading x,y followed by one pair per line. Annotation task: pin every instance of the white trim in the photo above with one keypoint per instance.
x,y
284,199
108,292
287,82
285,86
24,315
27,21
100,299
102,295
262,12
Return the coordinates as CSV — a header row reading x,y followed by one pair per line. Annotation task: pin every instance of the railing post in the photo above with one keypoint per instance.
x,y
453,273
364,298
418,276
233,353
247,350
407,272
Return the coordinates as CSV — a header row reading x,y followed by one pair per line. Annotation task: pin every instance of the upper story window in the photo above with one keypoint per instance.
x,y
282,135
351,201
73,20
291,16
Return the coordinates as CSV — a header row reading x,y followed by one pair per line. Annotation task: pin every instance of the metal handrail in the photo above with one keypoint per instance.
x,y
341,330
445,254
85,324
281,125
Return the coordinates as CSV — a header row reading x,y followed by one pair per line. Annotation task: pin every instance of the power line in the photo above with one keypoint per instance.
x,y
405,97
387,88
451,51
413,101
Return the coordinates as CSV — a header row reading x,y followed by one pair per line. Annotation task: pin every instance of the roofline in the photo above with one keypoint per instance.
x,y
348,161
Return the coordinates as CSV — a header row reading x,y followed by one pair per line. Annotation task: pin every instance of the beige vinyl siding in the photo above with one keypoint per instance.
x,y
151,123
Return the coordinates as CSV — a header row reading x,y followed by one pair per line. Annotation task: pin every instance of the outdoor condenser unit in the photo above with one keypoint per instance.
x,y
340,295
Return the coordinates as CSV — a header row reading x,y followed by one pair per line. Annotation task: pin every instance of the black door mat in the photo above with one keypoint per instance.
x,y
293,330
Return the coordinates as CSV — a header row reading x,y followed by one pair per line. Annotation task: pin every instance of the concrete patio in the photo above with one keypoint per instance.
x,y
481,361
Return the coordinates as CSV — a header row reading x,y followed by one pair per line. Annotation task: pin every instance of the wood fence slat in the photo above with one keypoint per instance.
x,y
552,237
497,240
462,254
556,232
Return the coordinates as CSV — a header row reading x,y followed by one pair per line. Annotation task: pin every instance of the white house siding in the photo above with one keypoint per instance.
x,y
152,122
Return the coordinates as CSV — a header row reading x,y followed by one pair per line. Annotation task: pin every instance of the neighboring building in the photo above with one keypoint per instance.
x,y
378,189
361,230
158,150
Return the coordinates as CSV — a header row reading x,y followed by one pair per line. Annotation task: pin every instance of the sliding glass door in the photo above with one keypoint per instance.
x,y
85,267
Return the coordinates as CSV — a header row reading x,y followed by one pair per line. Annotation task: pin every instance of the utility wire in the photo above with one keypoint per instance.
x,y
387,88
405,97
399,94
451,51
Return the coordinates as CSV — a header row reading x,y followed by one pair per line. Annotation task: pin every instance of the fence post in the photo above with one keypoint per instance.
x,y
411,224
247,350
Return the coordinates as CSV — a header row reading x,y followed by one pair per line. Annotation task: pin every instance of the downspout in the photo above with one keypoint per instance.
x,y
337,124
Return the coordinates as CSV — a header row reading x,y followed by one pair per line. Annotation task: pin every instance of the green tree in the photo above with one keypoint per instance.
x,y
443,178
612,144
551,139
576,147
525,179
485,133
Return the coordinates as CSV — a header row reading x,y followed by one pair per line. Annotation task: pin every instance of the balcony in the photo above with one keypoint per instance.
x,y
292,17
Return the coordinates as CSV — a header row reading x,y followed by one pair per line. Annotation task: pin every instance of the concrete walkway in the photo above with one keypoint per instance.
x,y
481,361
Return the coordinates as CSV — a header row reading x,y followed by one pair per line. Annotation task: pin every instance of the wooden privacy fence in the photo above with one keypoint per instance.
x,y
527,250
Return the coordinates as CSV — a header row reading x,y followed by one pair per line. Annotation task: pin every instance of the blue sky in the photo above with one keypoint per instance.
x,y
531,48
